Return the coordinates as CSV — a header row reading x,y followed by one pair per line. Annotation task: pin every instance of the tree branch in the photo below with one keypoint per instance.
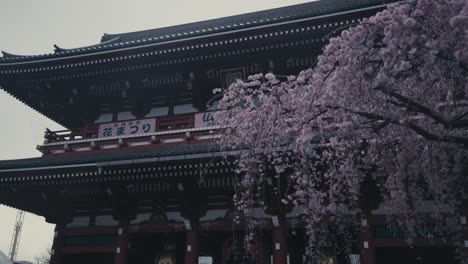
x,y
419,130
417,107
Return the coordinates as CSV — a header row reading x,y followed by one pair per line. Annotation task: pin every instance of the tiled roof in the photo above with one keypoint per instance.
x,y
247,21
166,153
266,17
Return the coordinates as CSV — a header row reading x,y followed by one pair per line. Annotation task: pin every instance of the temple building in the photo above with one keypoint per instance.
x,y
137,176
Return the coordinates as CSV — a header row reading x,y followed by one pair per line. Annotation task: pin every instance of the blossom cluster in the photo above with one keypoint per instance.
x,y
380,121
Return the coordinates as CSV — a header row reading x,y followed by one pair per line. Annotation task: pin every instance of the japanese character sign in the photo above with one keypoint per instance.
x,y
206,119
130,127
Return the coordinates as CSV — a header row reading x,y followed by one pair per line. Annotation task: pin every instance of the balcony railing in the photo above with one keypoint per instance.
x,y
175,129
166,123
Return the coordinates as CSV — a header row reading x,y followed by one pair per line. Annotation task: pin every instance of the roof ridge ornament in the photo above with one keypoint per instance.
x,y
11,55
58,49
106,38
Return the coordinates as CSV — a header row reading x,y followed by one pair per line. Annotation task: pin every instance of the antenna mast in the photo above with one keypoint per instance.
x,y
15,239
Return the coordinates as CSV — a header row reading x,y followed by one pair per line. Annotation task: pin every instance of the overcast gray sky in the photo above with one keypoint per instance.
x,y
33,26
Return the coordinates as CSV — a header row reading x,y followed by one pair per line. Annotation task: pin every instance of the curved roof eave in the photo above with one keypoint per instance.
x,y
101,158
59,49
11,55
103,48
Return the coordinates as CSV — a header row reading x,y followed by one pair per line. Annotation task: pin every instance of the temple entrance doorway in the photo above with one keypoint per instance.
x,y
161,248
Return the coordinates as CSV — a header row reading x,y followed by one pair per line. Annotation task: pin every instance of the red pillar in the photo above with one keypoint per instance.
x,y
259,251
366,240
121,255
191,247
280,251
57,246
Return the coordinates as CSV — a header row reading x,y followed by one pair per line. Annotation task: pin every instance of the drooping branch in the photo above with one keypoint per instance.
x,y
417,107
418,129
329,161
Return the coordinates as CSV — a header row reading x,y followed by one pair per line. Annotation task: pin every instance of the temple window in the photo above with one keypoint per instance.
x,y
79,221
127,115
184,109
104,118
158,111
105,220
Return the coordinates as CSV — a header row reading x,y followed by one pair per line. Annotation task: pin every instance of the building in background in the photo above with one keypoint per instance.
x,y
137,177
4,259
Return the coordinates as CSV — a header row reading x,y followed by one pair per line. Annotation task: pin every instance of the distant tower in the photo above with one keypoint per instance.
x,y
15,239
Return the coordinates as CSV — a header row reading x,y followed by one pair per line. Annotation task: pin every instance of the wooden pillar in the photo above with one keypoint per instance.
x,y
295,257
124,211
464,236
192,209
296,251
259,251
121,254
366,242
56,256
192,247
280,250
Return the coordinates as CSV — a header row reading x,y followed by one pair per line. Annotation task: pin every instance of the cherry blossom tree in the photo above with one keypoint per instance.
x,y
380,120
44,258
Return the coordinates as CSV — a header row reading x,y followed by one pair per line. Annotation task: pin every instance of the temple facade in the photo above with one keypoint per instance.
x,y
137,176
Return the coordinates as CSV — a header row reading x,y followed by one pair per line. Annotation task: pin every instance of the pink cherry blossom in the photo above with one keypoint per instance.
x,y
384,108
